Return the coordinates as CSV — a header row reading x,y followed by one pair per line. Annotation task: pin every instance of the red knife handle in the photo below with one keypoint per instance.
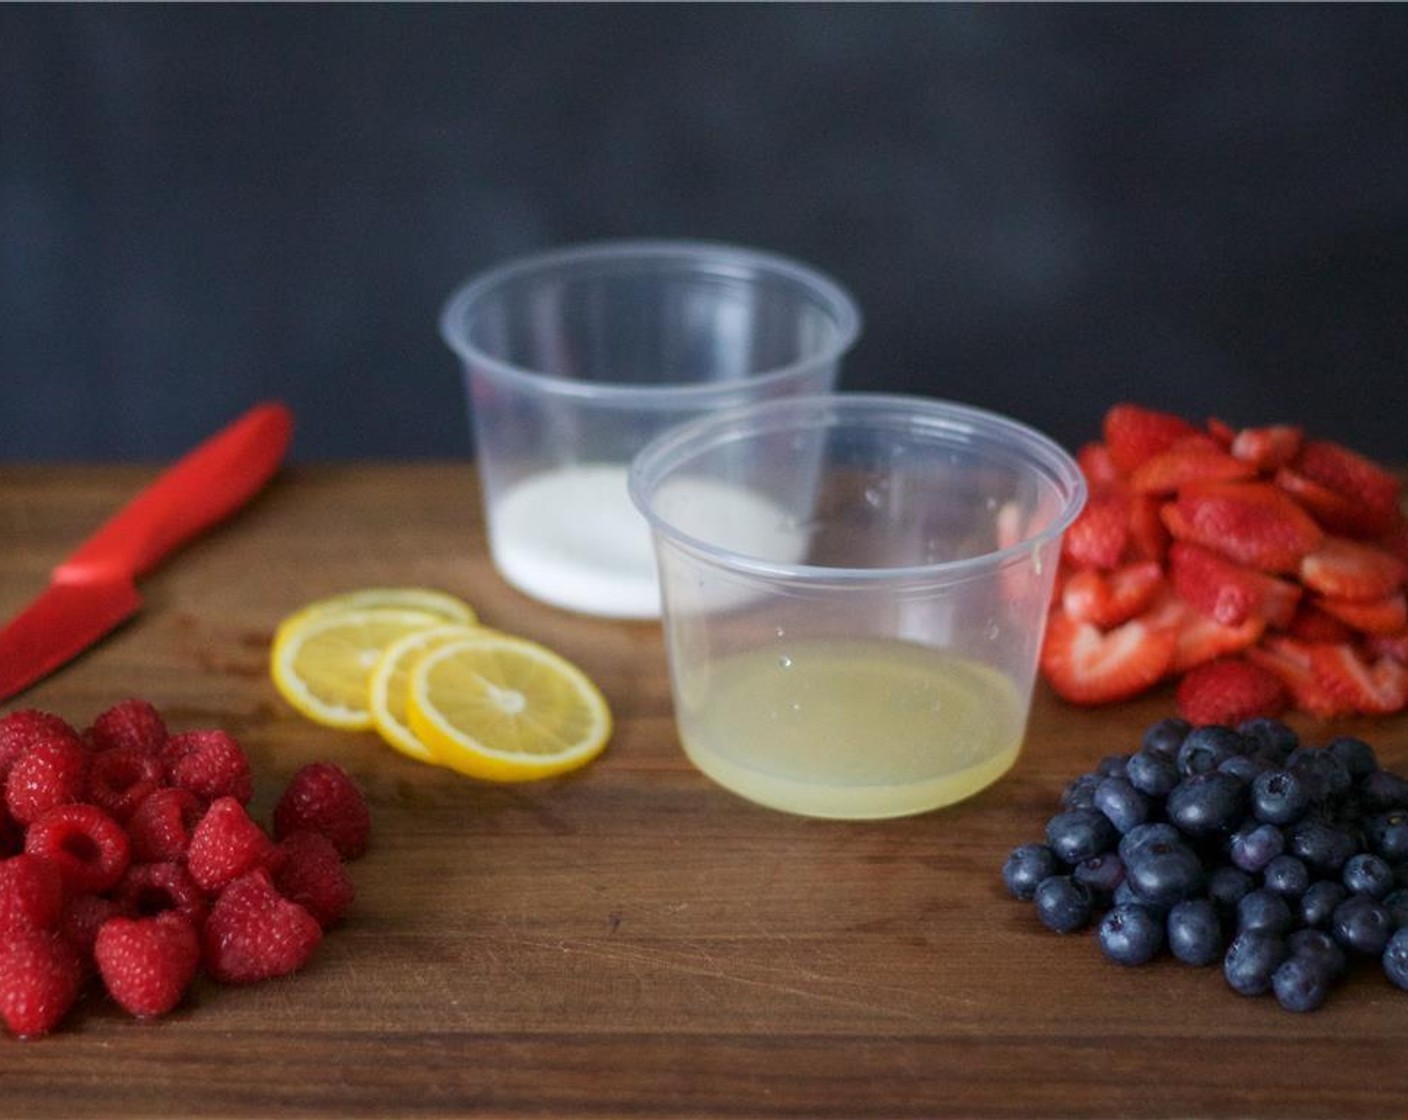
x,y
200,489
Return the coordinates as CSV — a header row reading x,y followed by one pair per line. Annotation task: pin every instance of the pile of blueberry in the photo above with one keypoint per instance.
x,y
1285,862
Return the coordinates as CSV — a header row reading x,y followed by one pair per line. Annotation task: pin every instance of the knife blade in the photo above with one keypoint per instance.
x,y
95,588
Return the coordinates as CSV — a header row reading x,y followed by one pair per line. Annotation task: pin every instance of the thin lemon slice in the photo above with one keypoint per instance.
x,y
505,709
440,603
390,682
322,663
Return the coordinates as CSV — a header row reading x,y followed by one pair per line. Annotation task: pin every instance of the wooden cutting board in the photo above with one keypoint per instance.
x,y
630,940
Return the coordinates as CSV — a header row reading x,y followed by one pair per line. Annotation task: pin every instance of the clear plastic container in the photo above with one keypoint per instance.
x,y
575,359
863,643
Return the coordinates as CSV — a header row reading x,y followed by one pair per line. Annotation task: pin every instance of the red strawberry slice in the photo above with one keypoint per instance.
x,y
1311,624
1087,665
1228,592
1148,537
1108,599
1268,448
1099,534
1198,638
1098,466
1377,688
1373,490
1228,691
1389,645
1290,659
1384,616
1253,523
1134,433
1191,459
1221,431
1347,569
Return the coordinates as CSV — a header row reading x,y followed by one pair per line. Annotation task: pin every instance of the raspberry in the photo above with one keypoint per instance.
x,y
23,729
160,827
307,870
121,778
40,975
210,764
149,889
147,963
253,933
89,848
83,916
322,798
132,723
31,894
53,771
225,845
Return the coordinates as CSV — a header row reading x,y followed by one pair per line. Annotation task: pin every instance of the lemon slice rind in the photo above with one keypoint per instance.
x,y
389,684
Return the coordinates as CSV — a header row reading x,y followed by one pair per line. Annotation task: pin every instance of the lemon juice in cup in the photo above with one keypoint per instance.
x,y
885,666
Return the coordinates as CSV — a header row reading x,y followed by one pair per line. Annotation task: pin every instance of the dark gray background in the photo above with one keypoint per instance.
x,y
1041,209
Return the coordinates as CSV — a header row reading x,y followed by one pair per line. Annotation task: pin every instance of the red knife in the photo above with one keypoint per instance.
x,y
95,589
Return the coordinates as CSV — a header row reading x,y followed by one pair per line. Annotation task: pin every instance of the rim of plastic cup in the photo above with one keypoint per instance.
x,y
700,255
823,410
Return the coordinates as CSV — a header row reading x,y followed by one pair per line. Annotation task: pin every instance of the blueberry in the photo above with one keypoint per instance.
x,y
1227,886
1158,832
1396,958
1080,792
1027,866
1319,946
1357,756
1131,934
1205,748
1250,961
1387,834
1396,903
1383,790
1361,924
1152,774
1321,772
1078,834
1062,904
1255,845
1264,910
1163,872
1124,805
1269,739
1207,802
1112,766
1287,876
1244,766
1278,797
1126,895
1195,932
1319,902
1301,983
1102,874
1367,874
1323,846
1165,737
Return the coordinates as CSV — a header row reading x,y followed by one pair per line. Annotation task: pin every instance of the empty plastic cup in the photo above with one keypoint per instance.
x,y
575,359
865,644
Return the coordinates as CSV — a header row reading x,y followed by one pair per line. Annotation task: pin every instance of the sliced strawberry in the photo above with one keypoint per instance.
x,y
1198,638
1347,569
1148,536
1192,459
1228,691
1290,660
1221,431
1395,541
1087,665
1336,512
1107,599
1373,490
1389,645
1385,616
1253,523
1228,592
1098,536
1134,433
1268,448
1311,624
1377,688
1098,467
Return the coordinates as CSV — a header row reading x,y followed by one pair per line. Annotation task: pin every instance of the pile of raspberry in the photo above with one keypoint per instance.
x,y
128,858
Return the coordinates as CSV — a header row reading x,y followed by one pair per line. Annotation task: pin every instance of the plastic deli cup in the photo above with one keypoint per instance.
x,y
575,359
860,638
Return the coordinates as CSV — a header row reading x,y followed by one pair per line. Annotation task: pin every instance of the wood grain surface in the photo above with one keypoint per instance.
x,y
629,940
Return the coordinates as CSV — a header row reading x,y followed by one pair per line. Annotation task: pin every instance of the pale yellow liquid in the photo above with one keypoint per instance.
x,y
853,729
